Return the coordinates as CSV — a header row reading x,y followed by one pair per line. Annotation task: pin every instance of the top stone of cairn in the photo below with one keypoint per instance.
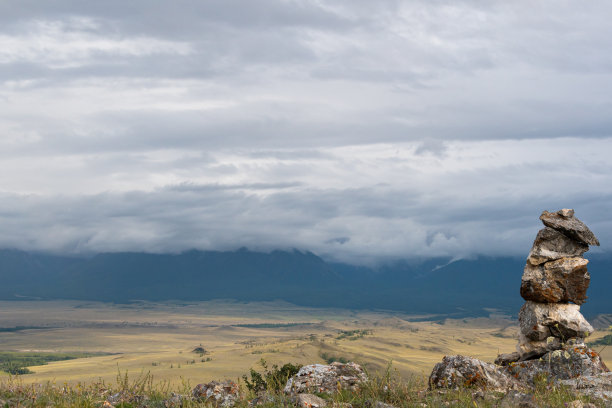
x,y
565,222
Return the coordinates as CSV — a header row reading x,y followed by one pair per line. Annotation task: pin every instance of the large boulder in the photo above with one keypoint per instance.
x,y
219,394
572,361
562,280
551,244
565,222
326,378
462,371
538,321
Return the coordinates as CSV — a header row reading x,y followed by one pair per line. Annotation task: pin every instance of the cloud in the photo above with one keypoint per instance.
x,y
360,130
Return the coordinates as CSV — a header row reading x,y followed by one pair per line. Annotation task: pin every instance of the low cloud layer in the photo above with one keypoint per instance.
x,y
363,131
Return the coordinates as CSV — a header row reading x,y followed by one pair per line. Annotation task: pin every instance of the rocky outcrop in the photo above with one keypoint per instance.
x,y
219,394
551,328
595,386
462,371
329,379
567,363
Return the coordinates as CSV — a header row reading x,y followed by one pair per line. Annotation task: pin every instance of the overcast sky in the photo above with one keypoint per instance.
x,y
363,131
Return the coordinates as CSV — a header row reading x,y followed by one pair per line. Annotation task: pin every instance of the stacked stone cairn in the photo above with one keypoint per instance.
x,y
551,328
554,285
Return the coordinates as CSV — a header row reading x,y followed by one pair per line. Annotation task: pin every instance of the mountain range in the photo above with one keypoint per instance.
x,y
462,287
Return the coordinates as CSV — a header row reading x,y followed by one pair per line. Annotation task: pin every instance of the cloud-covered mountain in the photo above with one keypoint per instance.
x,y
463,287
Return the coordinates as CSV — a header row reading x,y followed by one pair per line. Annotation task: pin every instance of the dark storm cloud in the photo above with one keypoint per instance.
x,y
361,130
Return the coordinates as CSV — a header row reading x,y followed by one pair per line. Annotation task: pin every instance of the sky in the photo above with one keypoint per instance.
x,y
361,131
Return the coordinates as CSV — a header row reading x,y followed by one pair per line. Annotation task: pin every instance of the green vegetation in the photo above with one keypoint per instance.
x,y
353,334
273,380
330,359
604,341
21,328
387,388
16,363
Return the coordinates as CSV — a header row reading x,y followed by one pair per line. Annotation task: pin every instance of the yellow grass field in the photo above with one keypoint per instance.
x,y
160,338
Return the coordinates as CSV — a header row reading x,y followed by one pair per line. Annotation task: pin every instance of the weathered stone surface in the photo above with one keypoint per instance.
x,y
528,349
220,394
567,363
379,404
551,244
565,222
326,378
310,401
462,371
505,359
537,321
562,280
596,386
519,399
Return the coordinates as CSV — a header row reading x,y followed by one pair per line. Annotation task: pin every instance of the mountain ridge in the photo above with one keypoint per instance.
x,y
300,277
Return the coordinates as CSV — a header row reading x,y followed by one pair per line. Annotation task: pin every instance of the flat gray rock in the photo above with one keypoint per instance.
x,y
551,244
326,378
462,371
565,222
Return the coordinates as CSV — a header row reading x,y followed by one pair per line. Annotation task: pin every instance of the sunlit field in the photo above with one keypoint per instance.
x,y
164,339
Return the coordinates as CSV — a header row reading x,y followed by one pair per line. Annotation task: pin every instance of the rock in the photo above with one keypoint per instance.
x,y
567,363
565,222
528,349
537,321
176,400
262,399
595,386
326,378
580,404
310,401
379,404
462,371
221,394
560,281
517,399
551,244
505,359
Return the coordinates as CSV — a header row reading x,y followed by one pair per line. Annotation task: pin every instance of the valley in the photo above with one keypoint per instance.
x,y
160,338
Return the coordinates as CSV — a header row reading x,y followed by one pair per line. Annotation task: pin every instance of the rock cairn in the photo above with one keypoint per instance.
x,y
551,328
554,285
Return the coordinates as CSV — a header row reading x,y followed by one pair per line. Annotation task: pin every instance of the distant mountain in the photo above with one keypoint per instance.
x,y
462,287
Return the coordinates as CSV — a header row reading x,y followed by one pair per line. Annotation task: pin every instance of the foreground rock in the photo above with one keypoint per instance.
x,y
220,394
596,386
559,281
326,378
564,364
565,222
461,371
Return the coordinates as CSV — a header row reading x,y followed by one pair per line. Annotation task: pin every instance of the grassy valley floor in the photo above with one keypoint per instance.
x,y
161,339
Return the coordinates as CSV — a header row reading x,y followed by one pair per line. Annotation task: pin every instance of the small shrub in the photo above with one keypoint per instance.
x,y
272,380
